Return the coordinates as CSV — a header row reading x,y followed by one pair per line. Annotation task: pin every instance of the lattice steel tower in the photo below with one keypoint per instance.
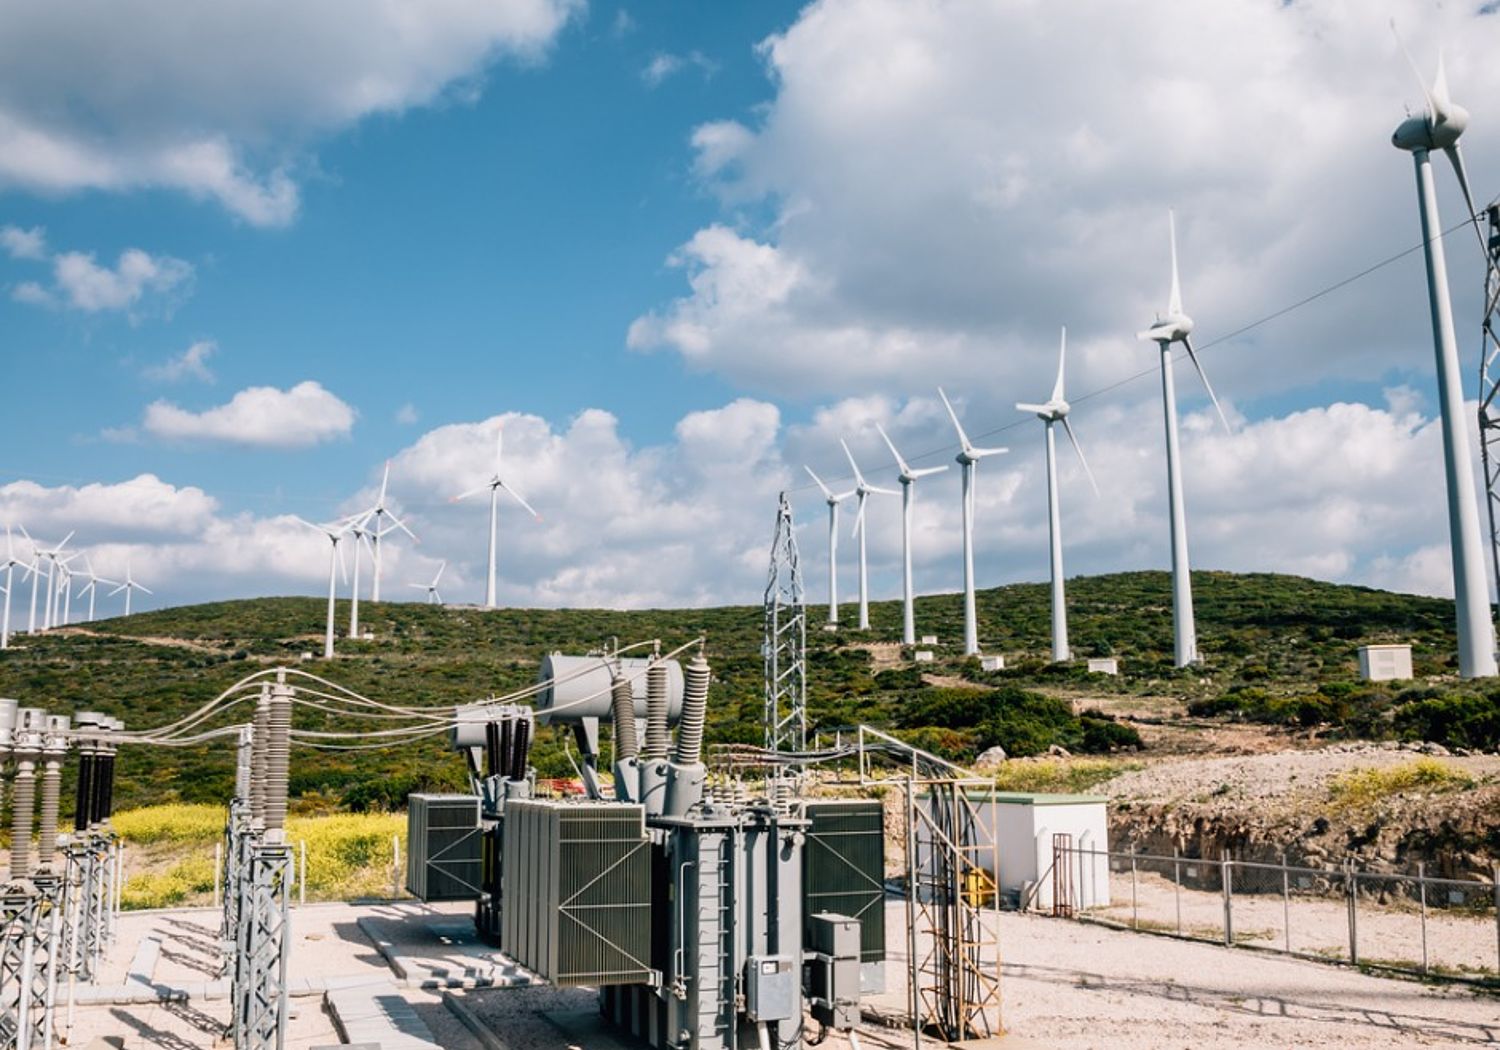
x,y
1489,384
785,645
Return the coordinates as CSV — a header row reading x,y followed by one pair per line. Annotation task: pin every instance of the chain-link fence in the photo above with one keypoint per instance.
x,y
1412,923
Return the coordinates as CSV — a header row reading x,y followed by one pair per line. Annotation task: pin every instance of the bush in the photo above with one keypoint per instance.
x,y
179,822
1454,721
1068,775
164,889
1366,786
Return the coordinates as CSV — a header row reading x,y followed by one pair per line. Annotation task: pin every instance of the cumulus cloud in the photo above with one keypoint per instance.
x,y
192,363
664,65
24,244
81,283
303,415
143,504
949,182
234,94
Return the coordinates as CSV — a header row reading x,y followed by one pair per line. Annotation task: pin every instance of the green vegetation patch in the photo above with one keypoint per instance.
x,y
1364,787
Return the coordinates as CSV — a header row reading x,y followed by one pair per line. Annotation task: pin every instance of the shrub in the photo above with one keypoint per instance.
x,y
1068,775
1455,721
179,822
1368,785
164,889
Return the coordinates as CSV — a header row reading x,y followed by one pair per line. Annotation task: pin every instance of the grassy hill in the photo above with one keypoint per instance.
x,y
1276,648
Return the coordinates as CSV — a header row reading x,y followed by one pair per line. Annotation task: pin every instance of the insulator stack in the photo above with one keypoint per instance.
x,y
260,735
506,736
242,763
622,703
491,749
656,713
54,746
522,753
278,757
8,712
28,744
85,723
694,712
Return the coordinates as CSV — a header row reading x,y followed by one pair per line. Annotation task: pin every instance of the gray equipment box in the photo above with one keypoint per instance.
x,y
443,852
771,987
834,970
844,872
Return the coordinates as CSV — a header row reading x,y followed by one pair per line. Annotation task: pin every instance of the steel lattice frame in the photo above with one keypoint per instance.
x,y
262,943
30,929
1489,386
785,644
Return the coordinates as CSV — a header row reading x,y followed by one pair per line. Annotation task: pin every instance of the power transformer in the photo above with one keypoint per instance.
x,y
443,861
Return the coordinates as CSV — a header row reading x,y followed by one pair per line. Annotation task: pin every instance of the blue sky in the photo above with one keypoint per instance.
x,y
678,250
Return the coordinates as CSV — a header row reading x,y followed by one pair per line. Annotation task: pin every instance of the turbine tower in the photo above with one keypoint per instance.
x,y
862,488
92,586
1055,411
908,499
433,597
128,586
380,512
1174,327
833,499
52,554
335,532
968,459
1440,128
495,484
10,564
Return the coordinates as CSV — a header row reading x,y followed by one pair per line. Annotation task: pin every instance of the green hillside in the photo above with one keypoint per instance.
x,y
1276,648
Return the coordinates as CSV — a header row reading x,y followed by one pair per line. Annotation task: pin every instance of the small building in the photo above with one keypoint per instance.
x,y
1385,663
1024,826
992,663
922,656
929,639
1104,665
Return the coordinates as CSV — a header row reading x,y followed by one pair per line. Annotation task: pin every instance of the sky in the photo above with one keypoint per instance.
x,y
676,252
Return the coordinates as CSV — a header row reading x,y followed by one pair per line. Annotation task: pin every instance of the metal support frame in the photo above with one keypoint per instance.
x,y
30,933
1489,385
262,945
785,644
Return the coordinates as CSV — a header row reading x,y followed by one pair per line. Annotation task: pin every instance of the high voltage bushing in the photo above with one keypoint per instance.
x,y
242,764
278,756
653,757
8,709
627,747
84,723
27,748
54,747
260,735
686,773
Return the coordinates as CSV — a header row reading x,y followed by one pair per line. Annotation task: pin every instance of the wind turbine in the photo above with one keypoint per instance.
x,y
908,498
358,531
52,554
65,588
380,512
92,586
495,484
968,459
11,561
128,586
1166,330
335,532
833,499
1440,127
862,488
35,569
433,597
1056,411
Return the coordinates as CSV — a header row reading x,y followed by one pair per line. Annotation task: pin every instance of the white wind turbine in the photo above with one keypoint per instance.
x,y
36,573
908,498
1056,411
92,586
433,597
380,512
1440,127
360,534
335,532
10,565
862,488
833,499
52,554
494,485
129,585
65,588
1174,327
968,459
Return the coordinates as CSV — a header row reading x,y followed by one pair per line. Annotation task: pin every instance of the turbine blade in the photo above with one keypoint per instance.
x,y
1174,300
883,492
1079,449
1457,160
1193,356
64,542
143,587
928,470
402,526
304,521
117,590
471,492
900,463
980,453
859,479
418,586
384,481
439,575
859,520
1442,102
438,596
827,492
1421,80
1062,357
963,439
499,447
1041,410
338,556
521,500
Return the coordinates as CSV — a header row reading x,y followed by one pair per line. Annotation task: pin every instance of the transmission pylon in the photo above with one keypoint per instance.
x,y
785,645
1489,385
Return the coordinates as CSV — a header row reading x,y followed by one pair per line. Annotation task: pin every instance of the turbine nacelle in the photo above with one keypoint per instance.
x,y
1173,328
1426,132
1051,412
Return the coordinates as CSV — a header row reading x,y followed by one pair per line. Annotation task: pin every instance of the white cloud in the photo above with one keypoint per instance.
x,y
144,504
951,181
24,244
192,363
264,416
665,64
234,95
406,415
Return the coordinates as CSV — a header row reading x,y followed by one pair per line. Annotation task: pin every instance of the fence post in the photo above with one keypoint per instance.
x,y
395,866
302,873
1226,880
1495,883
1422,897
1286,905
1135,913
1351,891
1177,886
218,870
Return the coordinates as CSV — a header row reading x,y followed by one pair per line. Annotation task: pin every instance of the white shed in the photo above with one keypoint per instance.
x,y
1024,824
1385,663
